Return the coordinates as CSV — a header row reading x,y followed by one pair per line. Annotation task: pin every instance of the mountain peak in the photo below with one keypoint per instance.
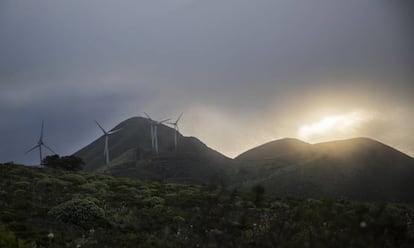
x,y
131,154
359,147
358,168
345,147
275,149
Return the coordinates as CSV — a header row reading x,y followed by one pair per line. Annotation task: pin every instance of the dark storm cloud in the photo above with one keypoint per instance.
x,y
242,64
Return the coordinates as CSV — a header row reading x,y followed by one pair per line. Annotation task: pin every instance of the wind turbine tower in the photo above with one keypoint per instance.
x,y
176,130
151,131
39,145
154,132
106,134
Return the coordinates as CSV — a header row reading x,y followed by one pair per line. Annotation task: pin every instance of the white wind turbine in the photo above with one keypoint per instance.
x,y
176,129
106,134
154,133
39,145
151,131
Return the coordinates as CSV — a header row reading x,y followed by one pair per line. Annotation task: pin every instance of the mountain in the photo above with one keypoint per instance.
x,y
288,149
359,168
131,155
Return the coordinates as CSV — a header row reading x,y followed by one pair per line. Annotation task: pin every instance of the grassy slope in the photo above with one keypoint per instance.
x,y
95,210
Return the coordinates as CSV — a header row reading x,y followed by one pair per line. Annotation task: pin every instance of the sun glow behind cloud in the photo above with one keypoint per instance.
x,y
333,127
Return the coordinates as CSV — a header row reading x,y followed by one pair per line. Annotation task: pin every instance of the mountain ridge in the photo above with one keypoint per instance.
x,y
358,168
302,143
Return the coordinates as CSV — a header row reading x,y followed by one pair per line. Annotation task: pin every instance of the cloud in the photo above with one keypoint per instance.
x,y
244,73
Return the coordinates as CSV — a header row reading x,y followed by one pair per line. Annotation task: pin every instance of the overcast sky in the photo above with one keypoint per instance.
x,y
243,72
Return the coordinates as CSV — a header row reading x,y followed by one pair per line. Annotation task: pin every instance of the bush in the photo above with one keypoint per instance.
x,y
73,178
154,200
50,182
81,212
7,239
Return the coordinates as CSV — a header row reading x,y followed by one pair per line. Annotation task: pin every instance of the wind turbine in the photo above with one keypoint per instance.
x,y
106,134
39,145
154,132
176,129
151,131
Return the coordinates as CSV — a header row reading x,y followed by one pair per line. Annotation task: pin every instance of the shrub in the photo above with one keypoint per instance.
x,y
74,178
154,200
7,239
49,182
81,212
22,185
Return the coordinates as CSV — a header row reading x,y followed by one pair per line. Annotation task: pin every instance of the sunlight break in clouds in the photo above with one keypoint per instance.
x,y
333,127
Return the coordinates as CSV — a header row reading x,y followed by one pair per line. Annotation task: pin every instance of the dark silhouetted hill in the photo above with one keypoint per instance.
x,y
131,155
359,168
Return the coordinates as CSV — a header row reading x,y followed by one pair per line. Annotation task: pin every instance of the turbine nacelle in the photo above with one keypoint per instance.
x,y
39,145
176,129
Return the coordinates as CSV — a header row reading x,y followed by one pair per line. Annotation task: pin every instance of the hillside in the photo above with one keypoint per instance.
x,y
358,168
131,155
41,207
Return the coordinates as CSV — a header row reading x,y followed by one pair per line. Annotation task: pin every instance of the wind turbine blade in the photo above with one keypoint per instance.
x,y
41,131
149,117
31,149
114,131
50,149
103,130
179,117
160,122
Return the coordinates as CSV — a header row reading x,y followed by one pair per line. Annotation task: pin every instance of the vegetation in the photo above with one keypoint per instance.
x,y
71,163
44,207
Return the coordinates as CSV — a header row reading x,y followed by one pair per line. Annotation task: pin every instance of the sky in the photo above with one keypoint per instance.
x,y
243,72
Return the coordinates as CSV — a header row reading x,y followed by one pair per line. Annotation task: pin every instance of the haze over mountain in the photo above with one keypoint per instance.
x,y
358,168
131,155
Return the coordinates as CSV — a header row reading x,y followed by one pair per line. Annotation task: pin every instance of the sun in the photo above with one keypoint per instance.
x,y
332,127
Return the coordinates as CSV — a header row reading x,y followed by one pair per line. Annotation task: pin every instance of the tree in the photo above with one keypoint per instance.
x,y
71,163
258,191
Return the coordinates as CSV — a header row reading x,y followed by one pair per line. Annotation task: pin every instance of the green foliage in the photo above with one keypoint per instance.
x,y
70,163
51,182
94,210
9,240
258,191
82,212
74,178
154,200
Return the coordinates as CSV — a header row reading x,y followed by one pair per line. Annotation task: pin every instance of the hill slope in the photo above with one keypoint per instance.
x,y
358,168
131,155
